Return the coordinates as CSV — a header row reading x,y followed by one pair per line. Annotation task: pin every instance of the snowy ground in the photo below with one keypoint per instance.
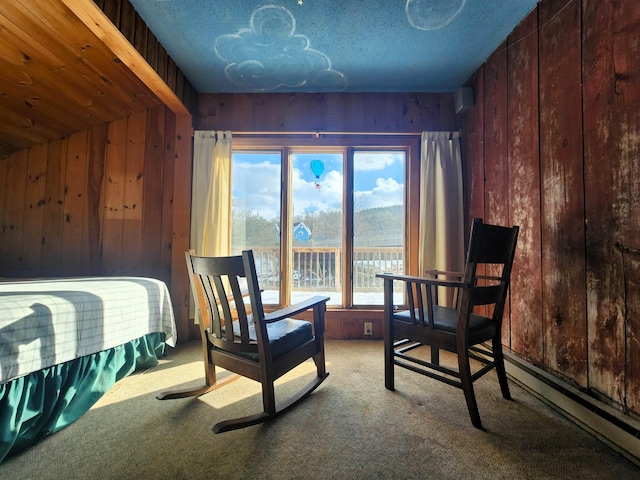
x,y
364,298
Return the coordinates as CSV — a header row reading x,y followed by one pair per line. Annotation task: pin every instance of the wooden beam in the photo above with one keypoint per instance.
x,y
95,19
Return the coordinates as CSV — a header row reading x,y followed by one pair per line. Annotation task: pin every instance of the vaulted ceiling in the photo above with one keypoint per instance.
x,y
330,45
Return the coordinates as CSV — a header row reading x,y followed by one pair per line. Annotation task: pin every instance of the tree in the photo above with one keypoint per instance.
x,y
249,229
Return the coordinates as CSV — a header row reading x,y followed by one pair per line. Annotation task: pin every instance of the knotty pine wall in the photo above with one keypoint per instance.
x,y
122,14
102,202
553,145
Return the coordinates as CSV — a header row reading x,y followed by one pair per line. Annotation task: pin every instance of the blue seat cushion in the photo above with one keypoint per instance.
x,y
284,335
445,319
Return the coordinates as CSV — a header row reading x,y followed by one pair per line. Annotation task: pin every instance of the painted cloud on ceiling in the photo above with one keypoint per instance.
x,y
432,14
269,55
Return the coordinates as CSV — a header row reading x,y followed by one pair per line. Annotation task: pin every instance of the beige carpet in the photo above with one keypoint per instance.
x,y
350,428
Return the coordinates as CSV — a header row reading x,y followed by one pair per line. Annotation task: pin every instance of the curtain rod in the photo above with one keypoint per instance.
x,y
319,133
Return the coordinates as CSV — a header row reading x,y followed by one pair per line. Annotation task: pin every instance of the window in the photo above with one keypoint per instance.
x,y
320,219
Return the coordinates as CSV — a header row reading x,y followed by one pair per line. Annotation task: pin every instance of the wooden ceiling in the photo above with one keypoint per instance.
x,y
59,73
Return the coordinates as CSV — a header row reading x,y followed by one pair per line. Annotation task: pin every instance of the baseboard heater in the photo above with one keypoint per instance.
x,y
607,424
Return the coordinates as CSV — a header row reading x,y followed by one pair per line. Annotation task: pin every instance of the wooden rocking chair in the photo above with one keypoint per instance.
x,y
255,345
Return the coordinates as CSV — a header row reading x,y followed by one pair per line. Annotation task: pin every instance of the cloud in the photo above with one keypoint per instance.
x,y
269,55
257,189
308,198
375,161
432,14
386,193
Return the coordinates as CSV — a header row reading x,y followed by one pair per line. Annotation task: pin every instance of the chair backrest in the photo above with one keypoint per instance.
x,y
488,266
221,285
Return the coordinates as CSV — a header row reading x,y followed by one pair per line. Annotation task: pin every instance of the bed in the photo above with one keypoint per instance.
x,y
65,342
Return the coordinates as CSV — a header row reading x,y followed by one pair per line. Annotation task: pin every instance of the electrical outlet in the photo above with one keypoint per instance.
x,y
368,328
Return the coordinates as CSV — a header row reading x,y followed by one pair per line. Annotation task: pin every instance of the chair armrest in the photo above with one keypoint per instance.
x,y
445,273
292,310
422,280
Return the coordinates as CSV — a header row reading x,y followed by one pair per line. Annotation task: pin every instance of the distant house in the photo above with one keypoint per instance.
x,y
301,232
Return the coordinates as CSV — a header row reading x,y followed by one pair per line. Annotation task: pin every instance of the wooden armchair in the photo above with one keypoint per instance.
x,y
471,327
256,345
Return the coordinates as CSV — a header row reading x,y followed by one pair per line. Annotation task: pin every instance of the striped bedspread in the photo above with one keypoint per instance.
x,y
48,322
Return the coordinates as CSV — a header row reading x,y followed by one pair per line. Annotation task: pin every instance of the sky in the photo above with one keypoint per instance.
x,y
378,181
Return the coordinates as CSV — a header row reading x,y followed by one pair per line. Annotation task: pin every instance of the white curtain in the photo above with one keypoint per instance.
x,y
211,193
441,203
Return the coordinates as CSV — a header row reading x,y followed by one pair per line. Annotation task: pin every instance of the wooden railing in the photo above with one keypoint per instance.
x,y
319,268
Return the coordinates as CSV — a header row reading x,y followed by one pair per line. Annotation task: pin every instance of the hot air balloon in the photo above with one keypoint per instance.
x,y
317,167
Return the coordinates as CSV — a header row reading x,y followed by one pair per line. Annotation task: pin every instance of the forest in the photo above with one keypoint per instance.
x,y
373,227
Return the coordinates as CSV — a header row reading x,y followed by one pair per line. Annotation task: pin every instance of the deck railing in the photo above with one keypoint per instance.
x,y
319,268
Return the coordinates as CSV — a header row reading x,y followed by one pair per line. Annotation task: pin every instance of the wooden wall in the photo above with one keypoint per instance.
x,y
102,202
553,145
327,112
122,14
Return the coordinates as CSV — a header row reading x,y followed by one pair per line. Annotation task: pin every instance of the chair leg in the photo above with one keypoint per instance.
x,y
435,356
268,398
500,370
389,381
467,387
321,365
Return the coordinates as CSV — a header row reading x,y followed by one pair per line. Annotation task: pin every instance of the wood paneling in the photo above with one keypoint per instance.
x,y
522,138
611,96
570,176
181,220
473,146
101,202
75,206
64,67
91,149
34,209
168,178
495,168
114,197
95,181
55,84
14,188
337,112
562,192
132,208
153,170
53,208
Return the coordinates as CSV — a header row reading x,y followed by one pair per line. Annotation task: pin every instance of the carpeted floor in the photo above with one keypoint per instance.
x,y
350,428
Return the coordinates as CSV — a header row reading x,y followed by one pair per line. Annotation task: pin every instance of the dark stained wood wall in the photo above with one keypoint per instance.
x,y
553,144
327,112
102,202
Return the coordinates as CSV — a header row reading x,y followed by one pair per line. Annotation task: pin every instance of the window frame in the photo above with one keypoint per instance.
x,y
348,143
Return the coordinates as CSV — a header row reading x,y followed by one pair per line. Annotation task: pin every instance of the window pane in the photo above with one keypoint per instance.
x,y
317,189
256,215
378,223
